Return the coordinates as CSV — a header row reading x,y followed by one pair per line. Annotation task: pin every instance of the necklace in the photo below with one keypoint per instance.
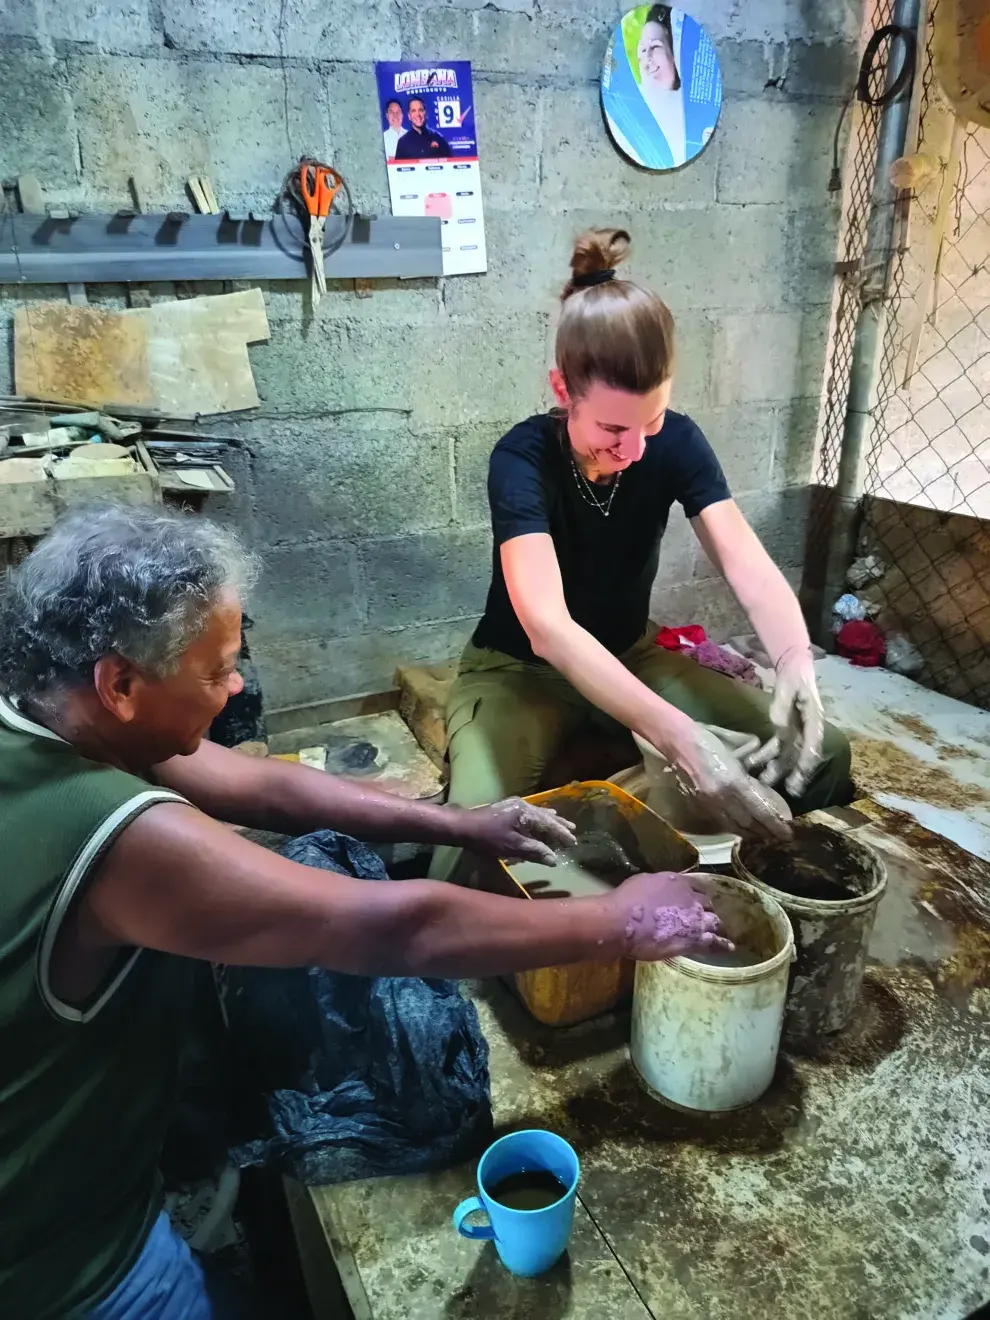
x,y
587,491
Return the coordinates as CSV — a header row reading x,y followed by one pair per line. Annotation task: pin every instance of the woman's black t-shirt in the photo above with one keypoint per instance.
x,y
607,564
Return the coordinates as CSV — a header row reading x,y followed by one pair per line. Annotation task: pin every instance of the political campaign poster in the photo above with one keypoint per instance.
x,y
431,148
661,87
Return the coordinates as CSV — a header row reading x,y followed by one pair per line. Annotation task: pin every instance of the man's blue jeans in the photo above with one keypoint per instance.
x,y
165,1283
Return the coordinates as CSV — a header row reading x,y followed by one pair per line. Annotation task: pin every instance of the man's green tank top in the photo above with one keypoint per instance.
x,y
85,1090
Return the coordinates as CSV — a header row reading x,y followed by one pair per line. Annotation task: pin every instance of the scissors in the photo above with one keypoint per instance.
x,y
319,185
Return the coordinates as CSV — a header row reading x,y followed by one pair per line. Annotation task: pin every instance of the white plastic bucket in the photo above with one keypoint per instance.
x,y
706,1037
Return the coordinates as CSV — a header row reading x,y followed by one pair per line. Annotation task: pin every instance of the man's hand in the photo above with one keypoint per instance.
x,y
711,776
794,751
517,831
666,915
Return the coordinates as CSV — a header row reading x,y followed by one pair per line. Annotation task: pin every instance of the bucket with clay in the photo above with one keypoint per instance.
x,y
830,886
706,1028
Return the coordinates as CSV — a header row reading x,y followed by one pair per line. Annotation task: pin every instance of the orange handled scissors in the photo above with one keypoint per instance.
x,y
319,185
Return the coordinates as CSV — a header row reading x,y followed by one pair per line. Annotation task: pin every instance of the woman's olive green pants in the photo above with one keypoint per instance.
x,y
506,719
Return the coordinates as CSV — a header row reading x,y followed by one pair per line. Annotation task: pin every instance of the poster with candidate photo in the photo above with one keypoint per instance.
x,y
661,87
430,139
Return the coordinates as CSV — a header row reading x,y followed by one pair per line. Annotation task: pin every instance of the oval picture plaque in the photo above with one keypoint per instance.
x,y
661,87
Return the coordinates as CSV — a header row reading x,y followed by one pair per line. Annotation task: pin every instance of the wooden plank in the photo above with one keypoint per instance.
x,y
177,358
197,351
32,198
196,193
69,354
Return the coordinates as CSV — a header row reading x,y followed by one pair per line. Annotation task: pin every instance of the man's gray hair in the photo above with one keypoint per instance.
x,y
136,581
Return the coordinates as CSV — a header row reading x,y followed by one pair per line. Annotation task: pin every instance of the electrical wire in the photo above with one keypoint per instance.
x,y
890,32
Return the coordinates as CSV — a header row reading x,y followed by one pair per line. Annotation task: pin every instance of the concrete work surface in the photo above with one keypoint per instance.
x,y
858,1187
914,750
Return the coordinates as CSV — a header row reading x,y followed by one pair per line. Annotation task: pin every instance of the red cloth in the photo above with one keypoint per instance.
x,y
862,643
671,638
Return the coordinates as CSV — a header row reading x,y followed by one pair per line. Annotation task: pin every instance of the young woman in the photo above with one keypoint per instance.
x,y
580,499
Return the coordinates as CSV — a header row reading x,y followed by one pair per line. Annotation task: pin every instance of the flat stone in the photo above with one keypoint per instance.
x,y
378,749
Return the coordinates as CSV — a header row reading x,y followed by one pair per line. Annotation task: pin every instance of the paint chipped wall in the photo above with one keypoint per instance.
x,y
362,480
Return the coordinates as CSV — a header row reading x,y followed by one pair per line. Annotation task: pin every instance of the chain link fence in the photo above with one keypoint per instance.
x,y
926,473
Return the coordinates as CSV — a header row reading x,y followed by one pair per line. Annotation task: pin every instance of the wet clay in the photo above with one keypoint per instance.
x,y
818,863
597,862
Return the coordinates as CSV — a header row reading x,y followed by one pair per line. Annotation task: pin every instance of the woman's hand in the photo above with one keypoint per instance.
x,y
518,831
665,915
712,777
794,751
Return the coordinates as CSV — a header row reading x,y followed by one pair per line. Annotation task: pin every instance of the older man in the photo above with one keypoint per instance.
x,y
118,647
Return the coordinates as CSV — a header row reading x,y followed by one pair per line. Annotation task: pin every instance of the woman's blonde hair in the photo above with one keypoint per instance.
x,y
611,330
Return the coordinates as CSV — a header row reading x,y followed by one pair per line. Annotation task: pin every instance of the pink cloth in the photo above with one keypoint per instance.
x,y
691,641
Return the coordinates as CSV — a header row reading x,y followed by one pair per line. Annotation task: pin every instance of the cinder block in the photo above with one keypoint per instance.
x,y
772,356
822,68
795,435
743,440
433,576
528,265
731,257
693,368
472,449
580,164
319,480
306,591
509,123
310,30
779,518
570,40
748,67
37,133
710,603
679,550
344,365
356,147
775,151
167,119
479,371
295,673
111,25
395,304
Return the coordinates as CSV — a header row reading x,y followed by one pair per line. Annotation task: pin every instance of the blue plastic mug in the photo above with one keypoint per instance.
x,y
528,1241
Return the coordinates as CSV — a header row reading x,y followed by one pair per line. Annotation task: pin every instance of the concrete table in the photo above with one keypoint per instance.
x,y
858,1188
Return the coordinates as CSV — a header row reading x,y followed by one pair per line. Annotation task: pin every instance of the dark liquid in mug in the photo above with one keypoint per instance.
x,y
530,1189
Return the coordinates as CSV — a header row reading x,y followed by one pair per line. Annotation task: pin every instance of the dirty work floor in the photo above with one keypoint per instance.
x,y
857,1189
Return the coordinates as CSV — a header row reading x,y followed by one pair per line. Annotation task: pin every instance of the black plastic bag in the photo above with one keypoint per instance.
x,y
363,1076
243,717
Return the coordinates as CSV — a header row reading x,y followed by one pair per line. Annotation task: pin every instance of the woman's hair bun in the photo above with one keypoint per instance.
x,y
596,251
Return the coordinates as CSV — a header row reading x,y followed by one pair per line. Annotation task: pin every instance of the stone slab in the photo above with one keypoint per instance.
x,y
836,1194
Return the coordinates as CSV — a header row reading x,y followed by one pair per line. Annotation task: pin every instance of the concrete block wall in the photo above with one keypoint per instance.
x,y
361,479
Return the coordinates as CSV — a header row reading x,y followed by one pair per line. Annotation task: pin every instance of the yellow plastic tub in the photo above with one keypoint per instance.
x,y
561,996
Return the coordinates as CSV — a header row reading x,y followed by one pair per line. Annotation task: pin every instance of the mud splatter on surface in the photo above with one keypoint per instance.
x,y
882,767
